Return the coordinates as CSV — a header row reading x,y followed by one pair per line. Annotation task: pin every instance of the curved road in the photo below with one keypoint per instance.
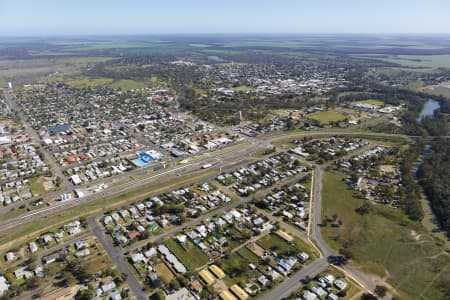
x,y
284,289
292,283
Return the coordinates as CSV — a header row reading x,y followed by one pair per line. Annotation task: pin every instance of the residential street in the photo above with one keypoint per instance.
x,y
293,283
229,160
117,259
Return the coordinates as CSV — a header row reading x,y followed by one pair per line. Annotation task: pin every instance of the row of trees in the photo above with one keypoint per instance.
x,y
434,176
410,191
414,101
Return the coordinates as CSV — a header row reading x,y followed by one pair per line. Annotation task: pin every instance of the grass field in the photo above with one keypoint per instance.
x,y
37,186
191,256
97,262
373,102
124,84
420,61
242,88
164,273
88,82
325,117
240,261
275,243
249,255
384,242
441,89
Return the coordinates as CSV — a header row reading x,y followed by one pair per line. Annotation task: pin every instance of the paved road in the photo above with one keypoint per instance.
x,y
257,144
227,159
293,282
239,201
37,140
116,258
317,235
43,251
112,180
188,224
230,157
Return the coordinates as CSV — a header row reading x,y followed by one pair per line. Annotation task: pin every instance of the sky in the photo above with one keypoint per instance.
x,y
96,17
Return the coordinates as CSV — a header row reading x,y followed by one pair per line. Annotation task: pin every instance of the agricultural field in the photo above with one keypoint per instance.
x,y
97,106
88,82
420,61
124,84
31,71
384,242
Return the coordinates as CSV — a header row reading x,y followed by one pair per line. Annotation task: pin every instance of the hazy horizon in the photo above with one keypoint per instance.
x,y
173,17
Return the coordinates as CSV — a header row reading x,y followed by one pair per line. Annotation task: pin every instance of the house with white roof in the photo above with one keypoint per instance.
x,y
3,285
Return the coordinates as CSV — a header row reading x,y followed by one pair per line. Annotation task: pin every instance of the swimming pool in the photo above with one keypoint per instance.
x,y
145,157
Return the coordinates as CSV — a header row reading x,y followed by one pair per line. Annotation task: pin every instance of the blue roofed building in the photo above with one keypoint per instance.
x,y
59,129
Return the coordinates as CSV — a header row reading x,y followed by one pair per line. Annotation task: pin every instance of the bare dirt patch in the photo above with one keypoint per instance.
x,y
257,249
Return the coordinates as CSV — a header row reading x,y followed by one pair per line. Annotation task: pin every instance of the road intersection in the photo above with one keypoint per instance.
x,y
225,160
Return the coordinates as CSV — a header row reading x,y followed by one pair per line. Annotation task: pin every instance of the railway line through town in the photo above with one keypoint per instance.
x,y
226,160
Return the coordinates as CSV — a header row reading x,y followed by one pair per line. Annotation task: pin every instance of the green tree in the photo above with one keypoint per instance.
x,y
380,290
85,294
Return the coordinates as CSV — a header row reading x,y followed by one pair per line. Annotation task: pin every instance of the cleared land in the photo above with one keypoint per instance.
x,y
164,272
236,267
373,102
124,84
188,254
384,242
440,89
325,117
277,244
420,61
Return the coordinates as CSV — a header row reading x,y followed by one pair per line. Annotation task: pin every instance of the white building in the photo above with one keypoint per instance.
x,y
3,285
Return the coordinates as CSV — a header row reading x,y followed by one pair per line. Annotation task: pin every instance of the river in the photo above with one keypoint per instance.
x,y
429,108
429,220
